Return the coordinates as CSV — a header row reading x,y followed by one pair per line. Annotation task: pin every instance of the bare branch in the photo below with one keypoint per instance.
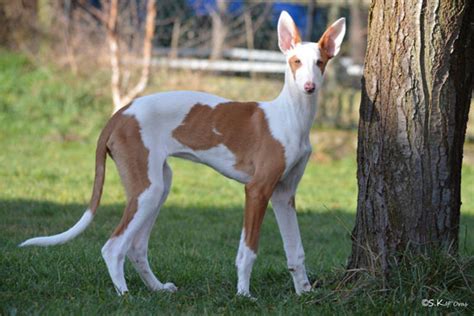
x,y
238,37
258,23
147,49
114,53
93,11
175,38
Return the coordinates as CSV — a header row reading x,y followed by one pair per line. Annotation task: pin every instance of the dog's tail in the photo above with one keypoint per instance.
x,y
88,216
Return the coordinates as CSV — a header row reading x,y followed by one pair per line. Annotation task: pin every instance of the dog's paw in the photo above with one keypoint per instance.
x,y
121,293
307,287
246,295
169,287
304,288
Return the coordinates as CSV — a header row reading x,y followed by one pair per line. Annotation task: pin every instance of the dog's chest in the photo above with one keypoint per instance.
x,y
290,131
295,150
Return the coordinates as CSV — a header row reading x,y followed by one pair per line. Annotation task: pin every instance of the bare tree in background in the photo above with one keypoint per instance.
x,y
120,97
310,9
219,29
357,32
416,91
242,29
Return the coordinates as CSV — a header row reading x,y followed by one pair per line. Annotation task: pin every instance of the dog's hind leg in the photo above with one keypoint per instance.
x,y
139,247
114,251
141,172
140,211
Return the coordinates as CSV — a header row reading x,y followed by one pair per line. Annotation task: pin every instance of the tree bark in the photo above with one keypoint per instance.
x,y
416,91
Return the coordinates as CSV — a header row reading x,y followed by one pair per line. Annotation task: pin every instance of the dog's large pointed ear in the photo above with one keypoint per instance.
x,y
288,35
331,40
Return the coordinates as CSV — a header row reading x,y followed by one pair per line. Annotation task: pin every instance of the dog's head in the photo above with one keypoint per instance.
x,y
307,60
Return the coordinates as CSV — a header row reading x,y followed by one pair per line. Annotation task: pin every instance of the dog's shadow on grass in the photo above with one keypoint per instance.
x,y
194,240
194,247
22,218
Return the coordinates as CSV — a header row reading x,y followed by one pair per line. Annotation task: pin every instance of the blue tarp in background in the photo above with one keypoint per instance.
x,y
297,11
205,7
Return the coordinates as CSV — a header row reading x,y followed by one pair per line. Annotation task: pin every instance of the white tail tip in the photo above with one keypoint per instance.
x,y
61,238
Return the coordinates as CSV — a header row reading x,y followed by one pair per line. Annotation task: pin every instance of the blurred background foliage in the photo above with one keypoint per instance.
x,y
55,96
71,36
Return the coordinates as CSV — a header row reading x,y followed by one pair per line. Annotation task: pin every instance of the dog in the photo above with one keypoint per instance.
x,y
264,145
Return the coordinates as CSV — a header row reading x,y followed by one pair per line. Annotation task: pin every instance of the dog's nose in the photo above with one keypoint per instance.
x,y
309,87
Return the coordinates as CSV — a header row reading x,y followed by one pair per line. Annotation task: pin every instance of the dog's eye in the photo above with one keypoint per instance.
x,y
297,61
319,63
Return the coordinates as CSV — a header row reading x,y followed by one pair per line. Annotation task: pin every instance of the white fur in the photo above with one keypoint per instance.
x,y
308,54
64,237
289,117
286,32
215,131
287,222
336,33
223,160
244,263
135,238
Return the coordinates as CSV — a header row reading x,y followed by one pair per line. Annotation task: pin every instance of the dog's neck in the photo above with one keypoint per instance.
x,y
299,108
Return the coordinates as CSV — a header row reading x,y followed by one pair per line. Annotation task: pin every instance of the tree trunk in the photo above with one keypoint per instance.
x,y
416,90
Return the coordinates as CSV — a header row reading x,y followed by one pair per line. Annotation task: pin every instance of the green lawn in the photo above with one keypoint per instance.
x,y
48,126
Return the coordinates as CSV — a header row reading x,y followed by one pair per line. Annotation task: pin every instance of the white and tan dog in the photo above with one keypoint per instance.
x,y
264,145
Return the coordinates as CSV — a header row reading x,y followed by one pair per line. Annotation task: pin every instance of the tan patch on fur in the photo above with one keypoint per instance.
x,y
240,126
126,148
243,128
294,65
297,38
323,59
325,47
100,158
325,43
257,195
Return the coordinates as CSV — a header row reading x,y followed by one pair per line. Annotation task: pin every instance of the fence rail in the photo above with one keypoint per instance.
x,y
238,60
233,53
220,65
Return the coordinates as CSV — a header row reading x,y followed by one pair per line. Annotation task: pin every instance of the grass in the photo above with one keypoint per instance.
x,y
49,122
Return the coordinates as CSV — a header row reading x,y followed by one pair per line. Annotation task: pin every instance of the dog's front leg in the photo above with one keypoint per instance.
x,y
283,206
283,202
257,195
